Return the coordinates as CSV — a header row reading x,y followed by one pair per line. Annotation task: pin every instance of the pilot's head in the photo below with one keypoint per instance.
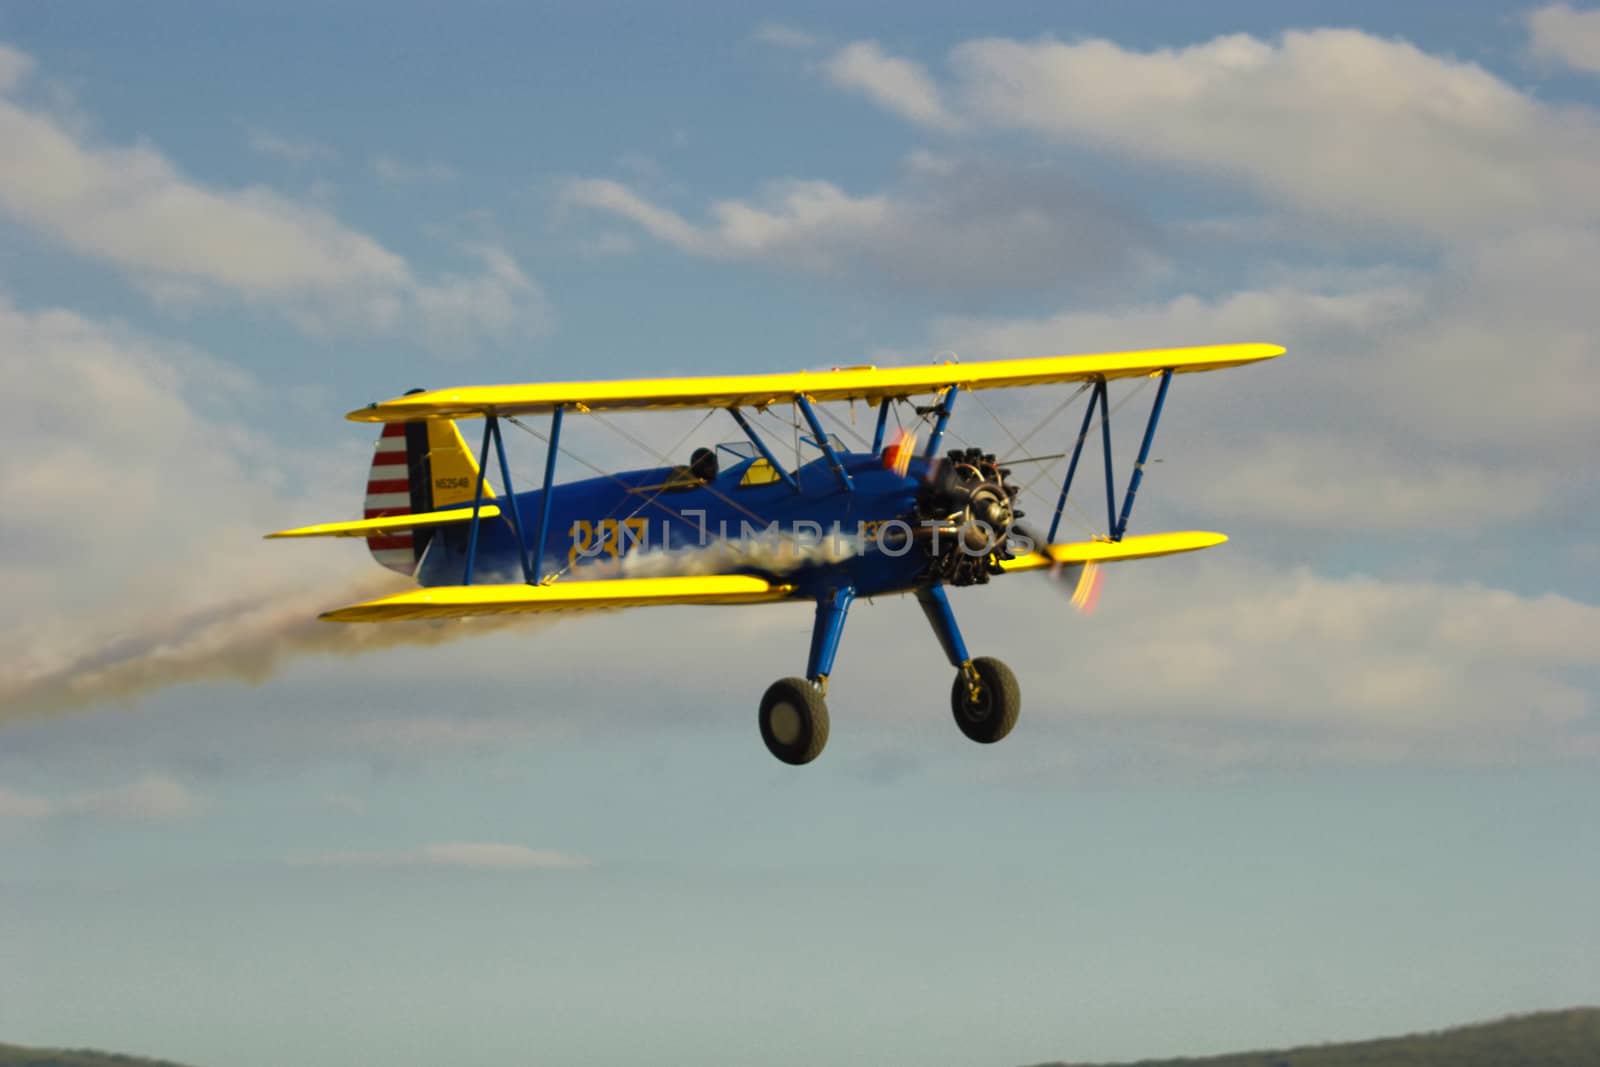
x,y
703,464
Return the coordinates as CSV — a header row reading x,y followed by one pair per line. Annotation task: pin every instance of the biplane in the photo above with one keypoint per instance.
x,y
737,524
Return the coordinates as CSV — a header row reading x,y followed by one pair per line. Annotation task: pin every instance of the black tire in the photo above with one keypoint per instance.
x,y
991,716
794,721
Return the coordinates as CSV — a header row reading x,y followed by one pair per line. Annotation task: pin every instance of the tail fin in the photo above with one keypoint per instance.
x,y
417,467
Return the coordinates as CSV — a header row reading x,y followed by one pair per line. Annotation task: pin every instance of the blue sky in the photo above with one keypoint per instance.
x,y
1331,780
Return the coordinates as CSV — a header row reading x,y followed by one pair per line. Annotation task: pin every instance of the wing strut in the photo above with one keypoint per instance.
x,y
1105,447
761,446
1072,465
1116,523
823,443
883,424
552,448
531,572
1144,455
477,499
528,574
937,439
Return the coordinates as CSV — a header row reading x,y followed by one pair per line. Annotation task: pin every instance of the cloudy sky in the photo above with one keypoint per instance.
x,y
1334,779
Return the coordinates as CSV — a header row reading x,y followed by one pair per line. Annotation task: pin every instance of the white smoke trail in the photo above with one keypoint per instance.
x,y
251,638
245,639
769,553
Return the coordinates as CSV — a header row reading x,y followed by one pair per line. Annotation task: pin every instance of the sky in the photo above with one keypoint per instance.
x,y
1334,779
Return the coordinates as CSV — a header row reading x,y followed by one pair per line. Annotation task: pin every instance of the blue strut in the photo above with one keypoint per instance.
x,y
1072,467
832,607
937,439
477,498
551,449
1144,455
1105,446
804,404
883,424
511,501
936,606
761,446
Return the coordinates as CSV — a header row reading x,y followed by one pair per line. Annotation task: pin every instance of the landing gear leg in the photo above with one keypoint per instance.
x,y
985,698
794,712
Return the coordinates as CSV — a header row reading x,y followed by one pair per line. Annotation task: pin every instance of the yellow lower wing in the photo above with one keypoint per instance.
x,y
1143,546
385,523
457,601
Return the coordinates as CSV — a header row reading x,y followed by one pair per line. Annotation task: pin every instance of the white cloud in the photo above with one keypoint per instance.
x,y
290,149
1329,483
498,301
15,66
611,244
397,172
14,805
782,36
345,803
165,420
1394,660
150,798
137,561
127,205
895,84
1571,37
178,239
1210,659
952,225
420,734
792,214
465,855
1340,123
1409,400
1219,654
1214,662
1207,661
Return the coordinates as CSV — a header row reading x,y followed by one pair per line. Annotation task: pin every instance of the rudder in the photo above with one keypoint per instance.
x,y
417,467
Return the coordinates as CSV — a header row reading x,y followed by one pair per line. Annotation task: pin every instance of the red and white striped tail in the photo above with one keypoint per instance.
x,y
389,493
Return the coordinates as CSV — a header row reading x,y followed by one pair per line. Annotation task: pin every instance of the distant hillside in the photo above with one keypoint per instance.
x,y
17,1056
1549,1039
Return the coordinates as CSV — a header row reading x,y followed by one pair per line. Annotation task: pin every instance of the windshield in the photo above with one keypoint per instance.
x,y
742,450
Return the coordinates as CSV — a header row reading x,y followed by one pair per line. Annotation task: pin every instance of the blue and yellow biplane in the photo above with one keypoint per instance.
x,y
737,525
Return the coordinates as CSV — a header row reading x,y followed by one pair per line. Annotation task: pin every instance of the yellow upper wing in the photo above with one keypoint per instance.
x,y
456,601
848,383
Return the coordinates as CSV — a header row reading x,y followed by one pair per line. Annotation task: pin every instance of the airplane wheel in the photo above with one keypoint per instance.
x,y
990,714
794,721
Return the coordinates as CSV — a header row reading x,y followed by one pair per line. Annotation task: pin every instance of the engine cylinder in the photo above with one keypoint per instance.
x,y
964,516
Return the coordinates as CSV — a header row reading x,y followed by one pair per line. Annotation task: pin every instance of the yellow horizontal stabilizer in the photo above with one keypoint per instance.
x,y
385,523
456,601
1143,546
845,383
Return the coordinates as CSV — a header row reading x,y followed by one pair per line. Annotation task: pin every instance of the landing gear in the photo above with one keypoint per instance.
x,y
794,713
794,720
985,700
985,697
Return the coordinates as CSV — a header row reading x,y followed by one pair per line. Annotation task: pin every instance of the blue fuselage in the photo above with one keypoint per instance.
x,y
602,527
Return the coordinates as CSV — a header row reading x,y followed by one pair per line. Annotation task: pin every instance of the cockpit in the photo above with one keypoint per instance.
x,y
706,463
761,472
